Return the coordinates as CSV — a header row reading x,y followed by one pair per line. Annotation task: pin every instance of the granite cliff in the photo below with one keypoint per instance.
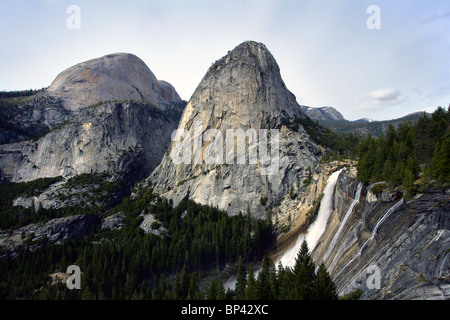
x,y
99,116
244,92
119,76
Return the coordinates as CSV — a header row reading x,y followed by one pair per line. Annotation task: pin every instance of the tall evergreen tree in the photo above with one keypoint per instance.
x,y
304,274
263,284
324,287
251,292
241,280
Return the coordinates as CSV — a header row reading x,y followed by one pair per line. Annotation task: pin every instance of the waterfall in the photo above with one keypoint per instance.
x,y
341,227
374,232
317,228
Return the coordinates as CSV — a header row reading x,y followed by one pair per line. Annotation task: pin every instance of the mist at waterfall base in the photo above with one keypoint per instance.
x,y
312,235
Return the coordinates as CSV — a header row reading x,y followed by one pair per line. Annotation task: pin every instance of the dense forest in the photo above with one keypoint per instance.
x,y
20,93
128,263
301,282
407,152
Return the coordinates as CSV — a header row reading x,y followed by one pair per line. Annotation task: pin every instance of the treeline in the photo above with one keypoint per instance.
x,y
21,93
301,282
338,145
401,154
115,279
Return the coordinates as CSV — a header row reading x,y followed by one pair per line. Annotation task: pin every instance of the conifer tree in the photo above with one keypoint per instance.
x,y
304,274
251,292
323,285
263,284
241,280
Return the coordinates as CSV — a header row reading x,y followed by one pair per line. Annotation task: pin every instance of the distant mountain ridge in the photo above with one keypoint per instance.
x,y
323,113
365,126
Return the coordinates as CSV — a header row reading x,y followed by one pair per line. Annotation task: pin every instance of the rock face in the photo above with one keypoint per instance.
x,y
387,247
54,231
293,216
112,137
323,113
241,91
89,133
120,76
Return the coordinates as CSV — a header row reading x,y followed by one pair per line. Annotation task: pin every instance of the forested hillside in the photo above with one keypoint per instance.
x,y
123,263
375,128
412,150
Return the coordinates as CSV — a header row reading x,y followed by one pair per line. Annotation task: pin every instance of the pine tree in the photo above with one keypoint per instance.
x,y
263,283
304,274
440,163
241,280
251,292
323,286
216,290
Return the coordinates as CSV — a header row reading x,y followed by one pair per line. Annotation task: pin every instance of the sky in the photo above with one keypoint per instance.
x,y
380,63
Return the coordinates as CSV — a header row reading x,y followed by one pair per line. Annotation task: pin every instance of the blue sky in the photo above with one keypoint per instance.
x,y
327,54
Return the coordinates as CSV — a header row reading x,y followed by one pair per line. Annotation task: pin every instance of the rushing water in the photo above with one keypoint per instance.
x,y
317,228
341,226
374,233
314,232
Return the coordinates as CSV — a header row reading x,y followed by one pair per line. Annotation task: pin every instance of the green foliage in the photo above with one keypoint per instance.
x,y
292,193
155,225
354,295
395,157
15,94
14,217
263,201
338,144
127,263
299,283
308,179
378,189
440,163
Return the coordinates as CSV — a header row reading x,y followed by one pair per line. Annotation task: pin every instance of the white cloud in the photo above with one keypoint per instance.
x,y
386,94
442,15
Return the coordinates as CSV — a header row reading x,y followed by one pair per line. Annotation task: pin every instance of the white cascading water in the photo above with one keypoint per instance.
x,y
317,228
341,226
374,232
313,233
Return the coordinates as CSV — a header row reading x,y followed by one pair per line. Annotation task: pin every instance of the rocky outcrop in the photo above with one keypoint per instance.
x,y
403,243
112,137
298,209
119,76
96,116
323,113
31,118
114,222
241,91
57,231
